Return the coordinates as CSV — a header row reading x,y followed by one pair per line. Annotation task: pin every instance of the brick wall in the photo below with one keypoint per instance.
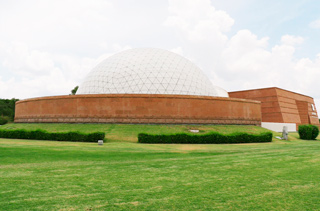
x,y
139,108
283,106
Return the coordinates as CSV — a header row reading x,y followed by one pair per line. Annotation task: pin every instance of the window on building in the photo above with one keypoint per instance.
x,y
312,107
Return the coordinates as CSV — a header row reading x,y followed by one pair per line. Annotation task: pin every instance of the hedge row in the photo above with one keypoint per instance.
x,y
209,138
44,135
308,132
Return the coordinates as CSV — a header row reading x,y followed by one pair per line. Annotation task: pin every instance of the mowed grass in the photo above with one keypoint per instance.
x,y
129,132
49,175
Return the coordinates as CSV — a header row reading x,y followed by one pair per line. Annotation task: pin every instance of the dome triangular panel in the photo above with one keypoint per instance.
x,y
148,71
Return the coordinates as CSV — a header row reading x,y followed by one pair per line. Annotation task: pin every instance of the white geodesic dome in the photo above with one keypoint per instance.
x,y
148,71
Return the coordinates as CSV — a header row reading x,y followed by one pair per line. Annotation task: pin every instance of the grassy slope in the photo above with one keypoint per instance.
x,y
129,132
48,175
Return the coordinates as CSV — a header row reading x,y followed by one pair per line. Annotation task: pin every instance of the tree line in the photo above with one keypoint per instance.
x,y
7,109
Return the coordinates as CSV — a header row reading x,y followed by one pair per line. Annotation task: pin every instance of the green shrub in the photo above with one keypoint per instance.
x,y
308,132
210,138
95,136
315,132
3,121
44,135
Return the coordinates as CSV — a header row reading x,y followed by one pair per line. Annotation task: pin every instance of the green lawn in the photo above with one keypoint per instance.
x,y
129,132
49,175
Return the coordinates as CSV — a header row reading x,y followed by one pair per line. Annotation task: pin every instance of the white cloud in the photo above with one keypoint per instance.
x,y
55,24
242,61
25,62
258,67
247,63
198,19
315,24
291,40
34,73
200,30
241,49
177,50
47,47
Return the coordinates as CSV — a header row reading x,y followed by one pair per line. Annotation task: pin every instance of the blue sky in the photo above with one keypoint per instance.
x,y
275,18
47,47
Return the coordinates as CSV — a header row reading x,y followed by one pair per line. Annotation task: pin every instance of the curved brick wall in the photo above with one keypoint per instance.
x,y
139,108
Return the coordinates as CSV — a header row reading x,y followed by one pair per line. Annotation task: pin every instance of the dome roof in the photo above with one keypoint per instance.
x,y
148,71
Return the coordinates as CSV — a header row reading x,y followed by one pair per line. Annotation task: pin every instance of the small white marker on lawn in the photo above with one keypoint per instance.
x,y
100,142
194,131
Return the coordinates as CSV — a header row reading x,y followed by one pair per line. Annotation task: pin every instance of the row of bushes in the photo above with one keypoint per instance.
x,y
44,135
209,138
308,132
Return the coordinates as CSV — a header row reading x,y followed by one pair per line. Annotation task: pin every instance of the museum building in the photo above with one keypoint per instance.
x,y
155,86
282,106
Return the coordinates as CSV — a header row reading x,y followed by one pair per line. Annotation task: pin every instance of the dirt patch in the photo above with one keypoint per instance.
x,y
190,147
135,203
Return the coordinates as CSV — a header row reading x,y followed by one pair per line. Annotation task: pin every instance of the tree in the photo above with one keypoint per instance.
x,y
74,91
7,108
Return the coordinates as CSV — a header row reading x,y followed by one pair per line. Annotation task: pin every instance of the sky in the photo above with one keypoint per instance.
x,y
47,47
